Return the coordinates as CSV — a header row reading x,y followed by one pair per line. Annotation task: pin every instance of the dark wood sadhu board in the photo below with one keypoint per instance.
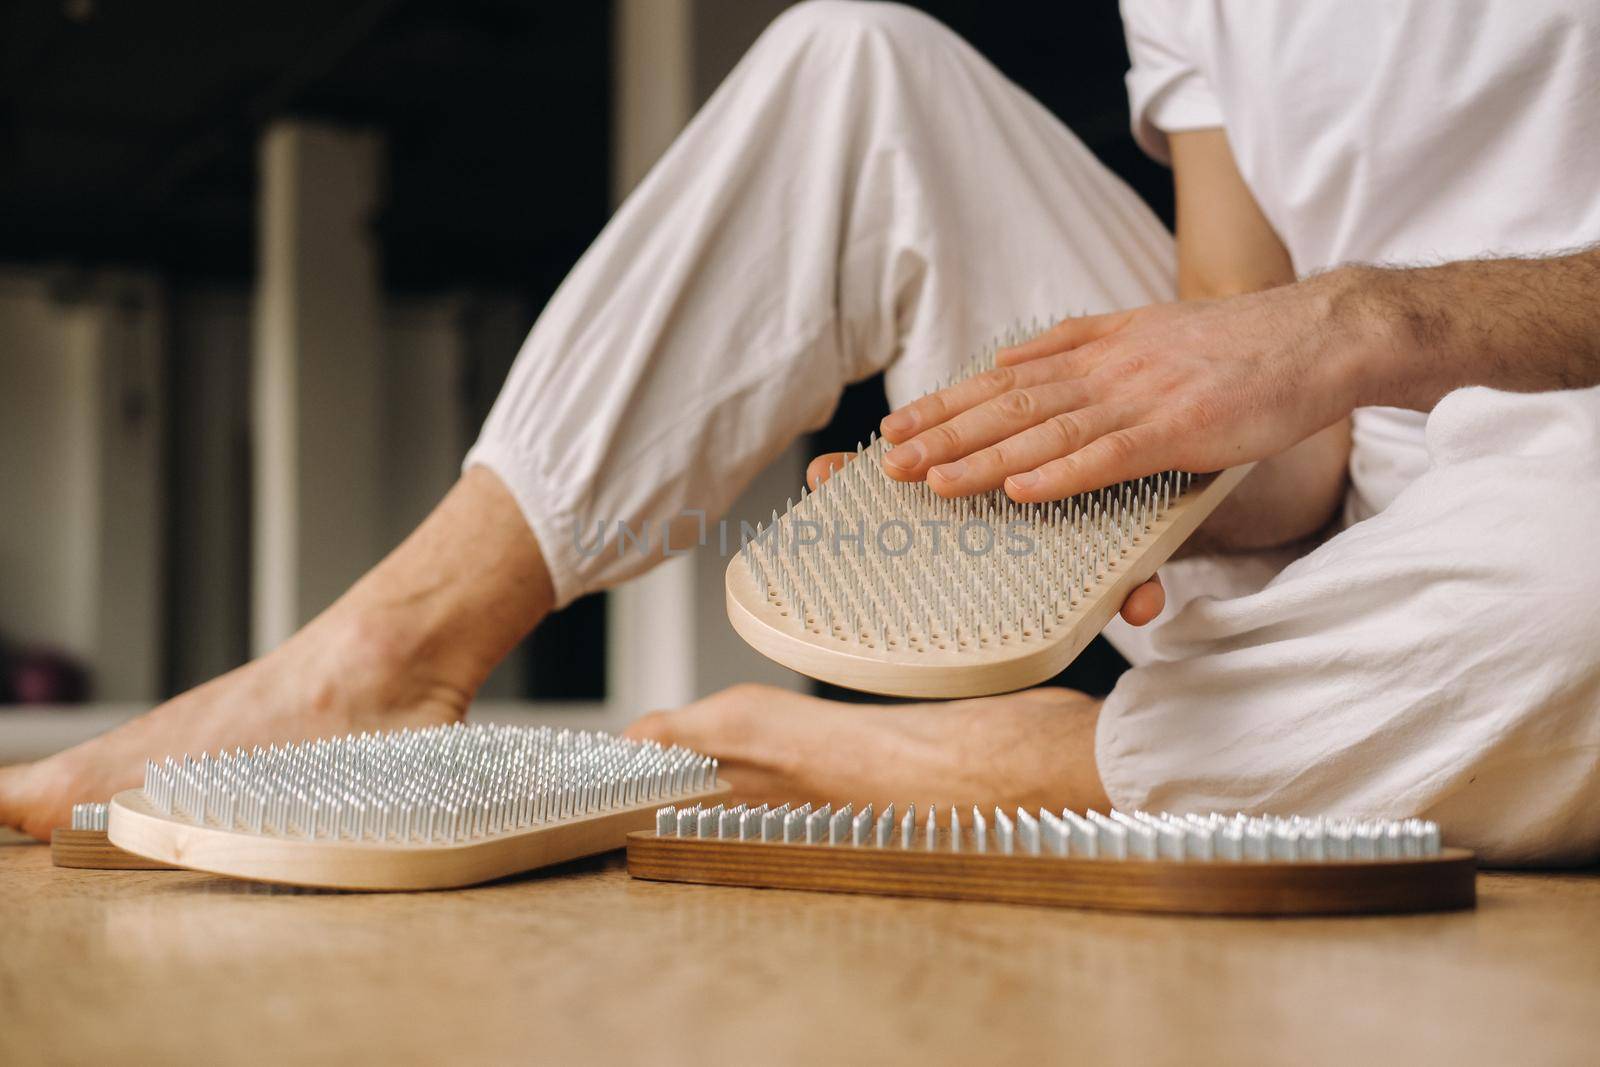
x,y
1439,883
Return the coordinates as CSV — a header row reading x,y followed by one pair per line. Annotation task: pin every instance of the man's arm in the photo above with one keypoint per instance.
x,y
1525,325
1209,384
1227,247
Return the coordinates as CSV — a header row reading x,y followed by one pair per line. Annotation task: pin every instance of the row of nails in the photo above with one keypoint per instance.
x,y
1115,835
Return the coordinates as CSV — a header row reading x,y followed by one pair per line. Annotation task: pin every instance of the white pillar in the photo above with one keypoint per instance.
x,y
649,621
317,344
669,639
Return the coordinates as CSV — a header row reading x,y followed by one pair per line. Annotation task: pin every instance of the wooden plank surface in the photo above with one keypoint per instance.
x,y
1435,884
92,849
583,964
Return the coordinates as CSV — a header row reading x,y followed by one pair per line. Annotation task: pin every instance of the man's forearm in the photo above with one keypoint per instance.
x,y
1210,384
1294,494
1524,325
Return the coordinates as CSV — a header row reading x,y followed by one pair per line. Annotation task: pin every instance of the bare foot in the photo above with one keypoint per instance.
x,y
1033,748
333,677
408,645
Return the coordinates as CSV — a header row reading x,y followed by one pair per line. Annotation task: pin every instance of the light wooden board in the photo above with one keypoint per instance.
x,y
1000,668
1408,885
92,850
139,828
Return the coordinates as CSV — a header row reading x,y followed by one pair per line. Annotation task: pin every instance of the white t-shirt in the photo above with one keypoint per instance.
x,y
1388,132
1437,656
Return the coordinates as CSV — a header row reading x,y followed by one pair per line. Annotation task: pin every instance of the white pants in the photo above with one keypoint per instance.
x,y
864,193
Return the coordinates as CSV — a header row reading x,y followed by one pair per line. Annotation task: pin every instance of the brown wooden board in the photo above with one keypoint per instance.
x,y
1439,883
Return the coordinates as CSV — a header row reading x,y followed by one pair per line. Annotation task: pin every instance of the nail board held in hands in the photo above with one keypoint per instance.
x,y
886,587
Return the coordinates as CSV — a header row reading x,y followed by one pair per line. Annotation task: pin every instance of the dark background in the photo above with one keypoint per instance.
x,y
127,130
127,138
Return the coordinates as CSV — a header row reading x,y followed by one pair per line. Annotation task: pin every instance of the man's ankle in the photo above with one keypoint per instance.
x,y
458,594
383,656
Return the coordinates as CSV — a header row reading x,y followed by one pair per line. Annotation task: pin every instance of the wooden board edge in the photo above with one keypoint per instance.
x,y
368,866
1447,882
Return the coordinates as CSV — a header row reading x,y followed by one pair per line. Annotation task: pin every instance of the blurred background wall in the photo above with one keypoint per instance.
x,y
263,267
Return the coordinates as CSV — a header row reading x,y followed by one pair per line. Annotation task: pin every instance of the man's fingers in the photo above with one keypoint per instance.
x,y
1114,457
982,425
1145,602
1064,336
901,425
1060,434
821,469
931,410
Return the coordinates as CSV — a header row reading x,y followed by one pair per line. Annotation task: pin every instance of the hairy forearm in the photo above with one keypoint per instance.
x,y
1524,325
1206,384
1296,493
1409,336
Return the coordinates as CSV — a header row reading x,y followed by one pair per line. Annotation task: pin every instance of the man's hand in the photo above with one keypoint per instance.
x,y
1034,748
1207,384
1141,607
1195,386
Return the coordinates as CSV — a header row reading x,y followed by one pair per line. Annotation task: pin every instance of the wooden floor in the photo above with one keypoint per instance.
x,y
583,965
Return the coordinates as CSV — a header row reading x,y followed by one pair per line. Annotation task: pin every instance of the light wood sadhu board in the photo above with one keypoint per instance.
x,y
138,827
1002,667
1439,883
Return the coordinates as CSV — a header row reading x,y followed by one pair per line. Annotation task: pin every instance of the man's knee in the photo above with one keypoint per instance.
x,y
851,20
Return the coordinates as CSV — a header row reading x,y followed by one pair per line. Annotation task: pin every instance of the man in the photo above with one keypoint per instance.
x,y
1398,610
